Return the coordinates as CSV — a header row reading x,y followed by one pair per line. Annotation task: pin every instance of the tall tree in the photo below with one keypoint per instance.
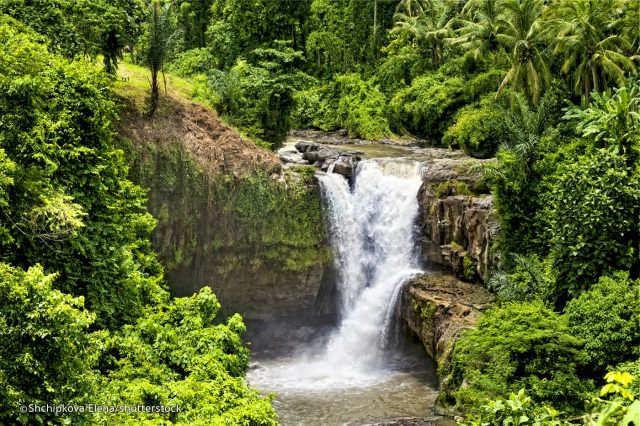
x,y
594,52
520,32
430,28
157,47
193,18
413,8
479,26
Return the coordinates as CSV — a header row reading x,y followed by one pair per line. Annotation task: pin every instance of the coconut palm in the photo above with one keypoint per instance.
x,y
413,8
520,32
594,53
430,27
479,26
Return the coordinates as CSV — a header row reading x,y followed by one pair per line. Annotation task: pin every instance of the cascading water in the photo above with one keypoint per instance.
x,y
372,230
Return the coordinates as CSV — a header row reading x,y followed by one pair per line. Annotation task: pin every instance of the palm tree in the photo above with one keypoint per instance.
x,y
157,48
413,8
593,53
520,33
479,26
430,27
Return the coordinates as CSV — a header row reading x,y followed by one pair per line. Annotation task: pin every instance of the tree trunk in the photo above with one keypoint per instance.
x,y
155,92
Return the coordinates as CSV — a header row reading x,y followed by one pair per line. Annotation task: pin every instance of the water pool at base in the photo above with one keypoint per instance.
x,y
309,394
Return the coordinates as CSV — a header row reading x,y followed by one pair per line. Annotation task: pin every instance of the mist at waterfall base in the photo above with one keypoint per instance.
x,y
363,371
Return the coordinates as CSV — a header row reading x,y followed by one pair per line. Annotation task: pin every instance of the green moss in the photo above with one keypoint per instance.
x,y
451,187
469,268
263,221
163,213
457,246
425,312
178,256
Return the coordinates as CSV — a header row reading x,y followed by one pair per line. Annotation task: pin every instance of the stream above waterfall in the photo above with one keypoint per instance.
x,y
365,370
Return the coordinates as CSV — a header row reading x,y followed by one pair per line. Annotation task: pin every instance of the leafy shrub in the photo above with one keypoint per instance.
x,y
361,108
45,350
591,207
519,409
313,109
180,355
257,96
477,131
347,102
448,188
518,176
517,345
607,318
484,82
399,68
633,368
616,405
428,105
192,62
529,279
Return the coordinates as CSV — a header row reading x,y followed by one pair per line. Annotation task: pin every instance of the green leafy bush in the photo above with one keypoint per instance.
x,y
428,105
617,404
529,279
633,368
181,355
517,345
399,68
347,102
45,349
448,188
257,95
477,131
607,318
519,409
518,176
591,207
192,62
361,108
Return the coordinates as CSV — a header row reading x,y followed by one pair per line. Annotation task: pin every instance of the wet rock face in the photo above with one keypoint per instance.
x,y
438,307
184,156
457,229
326,158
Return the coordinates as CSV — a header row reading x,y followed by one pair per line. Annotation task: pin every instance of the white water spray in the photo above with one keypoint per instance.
x,y
372,229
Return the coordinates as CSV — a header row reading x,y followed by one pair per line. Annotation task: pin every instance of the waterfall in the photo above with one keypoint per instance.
x,y
373,233
372,229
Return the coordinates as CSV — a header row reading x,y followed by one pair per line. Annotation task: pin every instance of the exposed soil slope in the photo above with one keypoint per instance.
x,y
212,144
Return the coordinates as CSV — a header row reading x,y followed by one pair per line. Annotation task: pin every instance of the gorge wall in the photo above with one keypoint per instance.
x,y
457,219
227,215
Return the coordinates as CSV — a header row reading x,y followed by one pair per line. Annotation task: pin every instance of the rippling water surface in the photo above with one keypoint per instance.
x,y
308,394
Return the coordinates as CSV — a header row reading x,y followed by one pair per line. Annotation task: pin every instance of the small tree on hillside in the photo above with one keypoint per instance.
x,y
158,40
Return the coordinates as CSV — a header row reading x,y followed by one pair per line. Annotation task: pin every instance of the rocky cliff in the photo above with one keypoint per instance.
x,y
457,221
437,308
228,216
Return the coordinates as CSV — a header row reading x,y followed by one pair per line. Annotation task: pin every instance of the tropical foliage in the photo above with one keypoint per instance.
x,y
84,314
546,90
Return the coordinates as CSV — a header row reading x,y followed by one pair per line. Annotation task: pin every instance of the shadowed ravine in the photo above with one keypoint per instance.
x,y
364,371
